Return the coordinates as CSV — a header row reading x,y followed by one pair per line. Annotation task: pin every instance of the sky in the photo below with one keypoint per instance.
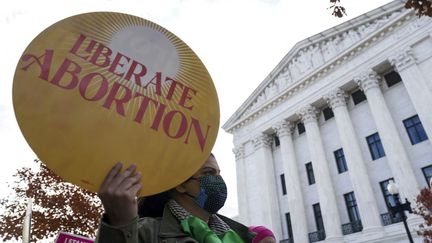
x,y
239,41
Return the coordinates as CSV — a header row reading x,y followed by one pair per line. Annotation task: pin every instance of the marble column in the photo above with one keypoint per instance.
x,y
324,185
294,193
357,168
265,204
393,147
416,86
242,189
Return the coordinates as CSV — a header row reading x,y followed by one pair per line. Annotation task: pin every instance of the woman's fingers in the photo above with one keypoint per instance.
x,y
120,177
134,189
111,175
129,181
118,194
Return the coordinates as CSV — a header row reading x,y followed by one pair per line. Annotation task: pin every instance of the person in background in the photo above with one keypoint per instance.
x,y
263,235
185,213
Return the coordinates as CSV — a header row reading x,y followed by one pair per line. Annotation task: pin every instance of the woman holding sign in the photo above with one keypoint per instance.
x,y
108,85
189,214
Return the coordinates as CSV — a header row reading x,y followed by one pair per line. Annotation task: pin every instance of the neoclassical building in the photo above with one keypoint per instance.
x,y
342,114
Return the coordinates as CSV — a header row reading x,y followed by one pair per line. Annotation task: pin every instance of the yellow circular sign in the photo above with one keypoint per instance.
x,y
103,87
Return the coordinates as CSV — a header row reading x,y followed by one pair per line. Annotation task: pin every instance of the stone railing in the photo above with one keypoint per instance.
x,y
388,218
352,227
317,236
289,240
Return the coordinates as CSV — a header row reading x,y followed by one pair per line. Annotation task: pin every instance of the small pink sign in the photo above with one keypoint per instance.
x,y
71,238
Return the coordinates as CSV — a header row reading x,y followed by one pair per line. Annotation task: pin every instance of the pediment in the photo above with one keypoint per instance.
x,y
315,53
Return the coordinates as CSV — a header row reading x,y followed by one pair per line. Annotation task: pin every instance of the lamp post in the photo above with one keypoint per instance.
x,y
400,207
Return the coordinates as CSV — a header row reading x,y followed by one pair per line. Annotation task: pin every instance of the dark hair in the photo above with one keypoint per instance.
x,y
153,206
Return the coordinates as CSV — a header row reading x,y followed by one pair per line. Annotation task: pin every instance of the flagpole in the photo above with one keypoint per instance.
x,y
27,222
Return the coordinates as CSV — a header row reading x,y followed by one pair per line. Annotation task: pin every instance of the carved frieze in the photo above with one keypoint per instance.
x,y
315,55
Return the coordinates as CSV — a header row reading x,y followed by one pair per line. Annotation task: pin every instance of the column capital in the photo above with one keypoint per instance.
x,y
262,140
336,98
308,114
367,80
283,128
402,59
239,152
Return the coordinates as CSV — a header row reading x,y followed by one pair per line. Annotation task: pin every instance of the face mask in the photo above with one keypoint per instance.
x,y
213,193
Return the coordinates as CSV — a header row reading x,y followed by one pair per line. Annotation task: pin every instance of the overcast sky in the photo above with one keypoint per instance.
x,y
239,41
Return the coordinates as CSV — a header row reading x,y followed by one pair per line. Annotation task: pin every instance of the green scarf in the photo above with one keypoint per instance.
x,y
200,231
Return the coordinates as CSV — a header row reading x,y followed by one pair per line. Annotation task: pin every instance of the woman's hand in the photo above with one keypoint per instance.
x,y
118,194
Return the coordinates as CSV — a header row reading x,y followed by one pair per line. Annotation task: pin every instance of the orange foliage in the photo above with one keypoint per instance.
x,y
422,7
57,206
338,10
424,209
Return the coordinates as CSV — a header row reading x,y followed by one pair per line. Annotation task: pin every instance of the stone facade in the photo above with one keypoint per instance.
x,y
281,127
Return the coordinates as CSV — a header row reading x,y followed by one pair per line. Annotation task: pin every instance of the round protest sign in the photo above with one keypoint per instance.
x,y
98,88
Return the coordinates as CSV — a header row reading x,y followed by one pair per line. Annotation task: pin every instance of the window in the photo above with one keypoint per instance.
x,y
358,96
351,205
328,113
289,226
340,160
388,198
276,140
310,173
301,128
318,217
427,172
392,78
415,129
375,147
282,178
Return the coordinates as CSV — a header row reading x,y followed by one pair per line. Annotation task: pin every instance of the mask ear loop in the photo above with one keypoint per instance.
x,y
201,198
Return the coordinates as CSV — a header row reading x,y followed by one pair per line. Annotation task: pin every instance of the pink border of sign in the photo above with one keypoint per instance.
x,y
64,237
